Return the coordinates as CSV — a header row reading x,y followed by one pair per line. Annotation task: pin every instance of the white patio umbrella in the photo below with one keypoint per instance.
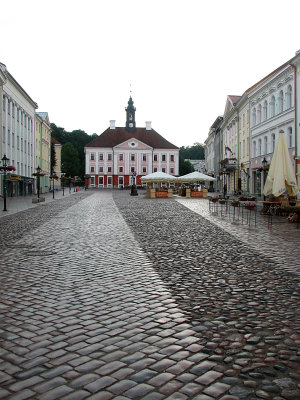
x,y
158,177
195,177
281,175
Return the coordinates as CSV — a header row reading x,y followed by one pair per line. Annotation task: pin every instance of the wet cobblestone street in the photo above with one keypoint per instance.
x,y
108,296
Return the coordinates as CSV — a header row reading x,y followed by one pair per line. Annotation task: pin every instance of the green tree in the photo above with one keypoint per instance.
x,y
53,158
70,160
185,167
194,152
78,138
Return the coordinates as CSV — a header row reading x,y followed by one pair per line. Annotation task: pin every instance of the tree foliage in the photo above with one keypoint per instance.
x,y
53,158
78,138
194,152
185,167
70,160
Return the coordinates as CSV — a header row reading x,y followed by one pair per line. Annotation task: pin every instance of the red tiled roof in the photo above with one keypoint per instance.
x,y
55,141
113,137
234,99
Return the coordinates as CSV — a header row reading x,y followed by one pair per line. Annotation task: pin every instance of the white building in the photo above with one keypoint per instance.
x,y
272,109
17,134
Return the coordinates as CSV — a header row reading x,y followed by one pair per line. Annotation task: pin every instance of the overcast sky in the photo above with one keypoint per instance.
x,y
77,59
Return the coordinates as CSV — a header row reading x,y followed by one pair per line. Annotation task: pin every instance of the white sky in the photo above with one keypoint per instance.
x,y
76,59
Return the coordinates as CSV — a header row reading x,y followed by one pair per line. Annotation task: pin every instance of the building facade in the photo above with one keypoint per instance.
x,y
43,148
120,156
17,135
272,109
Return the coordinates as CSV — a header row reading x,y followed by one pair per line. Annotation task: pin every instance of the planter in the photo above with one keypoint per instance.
x,y
196,194
222,201
250,208
161,194
235,203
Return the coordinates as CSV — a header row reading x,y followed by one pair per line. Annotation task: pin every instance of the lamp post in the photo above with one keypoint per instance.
x,y
224,181
38,174
63,181
4,164
264,165
53,176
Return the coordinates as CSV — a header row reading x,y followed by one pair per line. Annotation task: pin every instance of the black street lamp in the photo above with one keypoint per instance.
x,y
264,165
4,164
224,181
62,180
53,176
38,174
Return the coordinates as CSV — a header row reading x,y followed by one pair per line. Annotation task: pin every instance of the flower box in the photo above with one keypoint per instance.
x,y
161,194
196,194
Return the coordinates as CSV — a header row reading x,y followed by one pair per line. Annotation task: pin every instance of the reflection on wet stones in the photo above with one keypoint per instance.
x,y
226,288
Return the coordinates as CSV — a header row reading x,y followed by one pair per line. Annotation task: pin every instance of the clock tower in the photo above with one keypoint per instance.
x,y
130,116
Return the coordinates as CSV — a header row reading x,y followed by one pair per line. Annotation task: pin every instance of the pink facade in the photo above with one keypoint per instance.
x,y
120,156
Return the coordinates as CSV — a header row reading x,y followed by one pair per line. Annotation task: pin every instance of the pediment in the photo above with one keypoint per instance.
x,y
133,144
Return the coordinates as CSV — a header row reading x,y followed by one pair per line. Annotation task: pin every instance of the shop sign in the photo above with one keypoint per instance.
x,y
15,178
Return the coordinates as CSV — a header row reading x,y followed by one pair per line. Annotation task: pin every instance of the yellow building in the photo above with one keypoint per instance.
x,y
244,143
230,132
43,148
57,167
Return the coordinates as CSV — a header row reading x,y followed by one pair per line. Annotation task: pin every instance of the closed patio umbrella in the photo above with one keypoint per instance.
x,y
281,174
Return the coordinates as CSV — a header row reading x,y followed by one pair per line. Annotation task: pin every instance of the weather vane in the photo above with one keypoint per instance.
x,y
130,89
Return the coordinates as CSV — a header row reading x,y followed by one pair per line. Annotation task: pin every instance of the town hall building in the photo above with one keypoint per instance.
x,y
120,156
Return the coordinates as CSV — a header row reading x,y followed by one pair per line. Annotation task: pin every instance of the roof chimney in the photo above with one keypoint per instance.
x,y
112,124
148,126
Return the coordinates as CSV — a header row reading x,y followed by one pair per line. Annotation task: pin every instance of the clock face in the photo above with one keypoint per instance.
x,y
131,125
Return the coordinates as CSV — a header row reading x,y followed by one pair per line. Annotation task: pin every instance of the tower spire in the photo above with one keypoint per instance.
x,y
130,115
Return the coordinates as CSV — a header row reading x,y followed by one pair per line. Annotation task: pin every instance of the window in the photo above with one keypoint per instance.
x,y
144,170
272,107
3,134
155,157
108,169
244,119
171,170
244,148
155,169
266,145
13,139
144,157
18,115
290,137
3,103
25,121
100,169
92,180
8,106
92,157
132,157
92,169
254,116
280,102
25,147
109,157
132,169
21,118
109,181
172,157
13,110
101,180
273,142
163,158
163,169
120,169
254,148
265,111
259,114
120,157
248,146
101,156
259,147
289,97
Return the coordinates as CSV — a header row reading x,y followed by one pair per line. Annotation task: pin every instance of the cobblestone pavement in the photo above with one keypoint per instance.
x,y
107,296
279,240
